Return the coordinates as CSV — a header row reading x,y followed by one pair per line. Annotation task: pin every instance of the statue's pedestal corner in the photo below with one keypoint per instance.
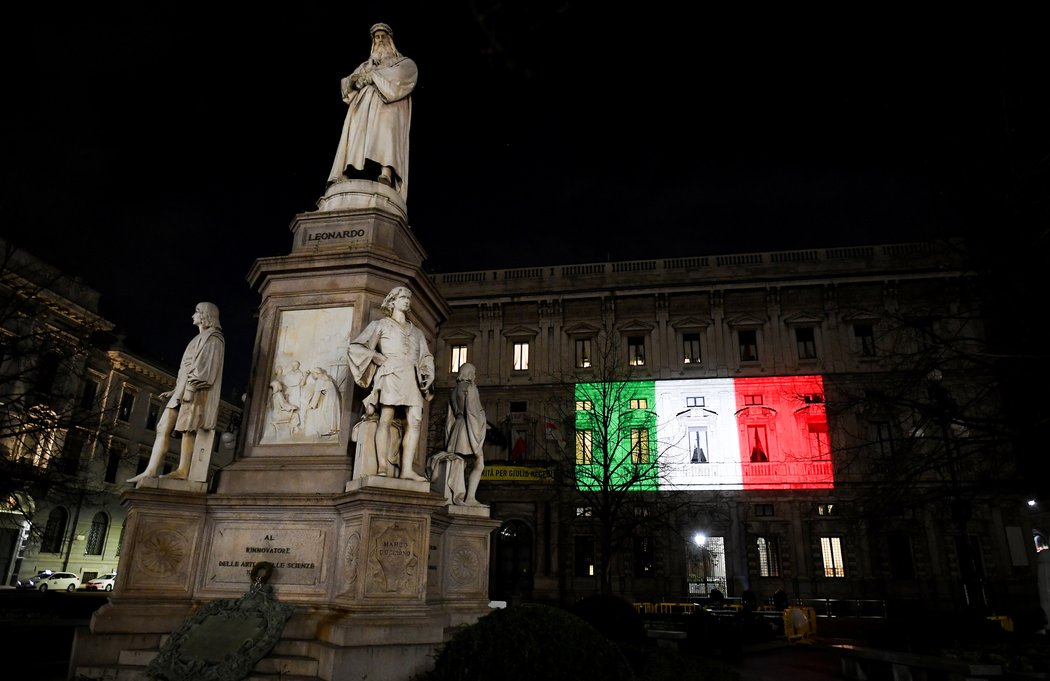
x,y
173,484
479,511
387,483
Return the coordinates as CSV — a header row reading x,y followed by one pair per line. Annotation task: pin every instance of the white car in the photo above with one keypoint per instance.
x,y
59,581
102,582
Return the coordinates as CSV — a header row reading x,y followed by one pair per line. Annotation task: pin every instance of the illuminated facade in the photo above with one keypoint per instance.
x,y
758,402
64,471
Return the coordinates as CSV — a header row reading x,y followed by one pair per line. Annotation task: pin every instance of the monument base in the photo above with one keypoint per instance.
x,y
379,576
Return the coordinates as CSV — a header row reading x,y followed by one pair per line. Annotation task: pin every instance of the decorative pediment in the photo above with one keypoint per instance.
x,y
745,321
458,336
521,332
636,326
860,316
803,319
582,329
691,323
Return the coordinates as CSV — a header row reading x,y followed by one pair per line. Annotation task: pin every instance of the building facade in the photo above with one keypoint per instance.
x,y
79,414
816,421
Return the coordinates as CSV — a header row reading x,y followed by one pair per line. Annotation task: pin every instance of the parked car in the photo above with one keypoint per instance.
x,y
34,581
58,581
102,582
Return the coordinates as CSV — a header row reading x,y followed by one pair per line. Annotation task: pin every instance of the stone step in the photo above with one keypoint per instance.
x,y
287,664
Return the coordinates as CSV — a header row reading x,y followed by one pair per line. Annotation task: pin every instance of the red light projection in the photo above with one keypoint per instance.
x,y
783,433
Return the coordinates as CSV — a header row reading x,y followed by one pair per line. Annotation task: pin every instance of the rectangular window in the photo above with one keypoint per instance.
x,y
902,564
583,447
831,550
113,462
640,403
519,406
584,512
764,510
636,351
865,337
583,353
153,416
690,348
88,393
694,401
698,445
825,509
644,557
748,341
583,555
521,356
72,450
882,439
806,342
458,359
757,442
752,400
639,445
584,405
127,405
768,556
813,398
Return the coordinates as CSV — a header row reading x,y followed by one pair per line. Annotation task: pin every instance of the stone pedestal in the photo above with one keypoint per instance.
x,y
379,569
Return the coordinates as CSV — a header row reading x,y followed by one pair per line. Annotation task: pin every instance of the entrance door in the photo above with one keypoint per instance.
x,y
512,578
707,566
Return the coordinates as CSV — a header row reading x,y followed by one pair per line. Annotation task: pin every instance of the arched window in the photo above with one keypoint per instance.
x,y
97,536
55,529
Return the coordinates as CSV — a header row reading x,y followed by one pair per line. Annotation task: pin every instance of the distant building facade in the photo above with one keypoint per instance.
x,y
78,415
821,419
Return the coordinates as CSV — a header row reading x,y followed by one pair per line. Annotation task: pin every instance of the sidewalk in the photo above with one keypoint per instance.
x,y
782,661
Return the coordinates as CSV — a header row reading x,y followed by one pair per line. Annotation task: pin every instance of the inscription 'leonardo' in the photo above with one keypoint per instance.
x,y
343,234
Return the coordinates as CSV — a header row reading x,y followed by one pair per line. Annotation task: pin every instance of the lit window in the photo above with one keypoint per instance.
x,y
459,357
807,345
584,512
831,550
748,340
636,351
640,403
521,356
584,405
698,445
825,509
768,557
583,447
127,404
639,445
583,353
583,559
690,348
865,336
694,401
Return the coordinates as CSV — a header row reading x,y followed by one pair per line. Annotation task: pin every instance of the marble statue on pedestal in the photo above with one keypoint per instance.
x,y
465,428
378,116
391,357
193,405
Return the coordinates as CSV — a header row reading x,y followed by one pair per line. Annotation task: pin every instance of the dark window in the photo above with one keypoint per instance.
x,y
694,401
46,372
88,393
690,348
865,335
902,565
748,339
127,404
763,510
636,351
51,542
583,353
583,556
644,557
97,535
807,345
519,406
153,416
72,450
756,436
113,463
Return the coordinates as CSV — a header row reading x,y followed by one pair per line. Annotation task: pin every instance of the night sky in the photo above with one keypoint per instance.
x,y
157,152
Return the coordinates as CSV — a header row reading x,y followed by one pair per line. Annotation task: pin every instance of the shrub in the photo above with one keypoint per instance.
x,y
614,617
527,642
